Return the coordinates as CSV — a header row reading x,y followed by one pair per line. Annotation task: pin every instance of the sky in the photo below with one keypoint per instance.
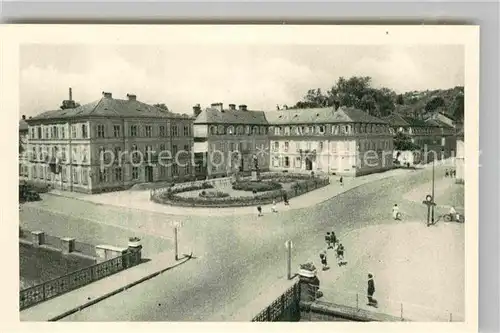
x,y
260,76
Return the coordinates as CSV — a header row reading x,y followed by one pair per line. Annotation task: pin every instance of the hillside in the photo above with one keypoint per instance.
x,y
418,103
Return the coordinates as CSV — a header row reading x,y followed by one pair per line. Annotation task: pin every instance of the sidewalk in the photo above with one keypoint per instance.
x,y
73,301
140,199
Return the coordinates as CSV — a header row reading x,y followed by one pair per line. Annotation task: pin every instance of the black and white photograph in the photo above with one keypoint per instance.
x,y
195,180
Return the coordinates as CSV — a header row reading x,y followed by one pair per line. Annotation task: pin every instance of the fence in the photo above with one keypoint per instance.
x,y
406,311
74,280
284,308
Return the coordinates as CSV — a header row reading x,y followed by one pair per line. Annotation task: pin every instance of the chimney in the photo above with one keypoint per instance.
x,y
107,94
70,94
218,106
196,110
242,107
24,117
131,97
232,107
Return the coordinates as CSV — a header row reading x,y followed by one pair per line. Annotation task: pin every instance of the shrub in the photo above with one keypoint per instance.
x,y
258,186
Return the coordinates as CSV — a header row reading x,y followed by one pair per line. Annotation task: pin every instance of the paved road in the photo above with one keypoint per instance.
x,y
236,255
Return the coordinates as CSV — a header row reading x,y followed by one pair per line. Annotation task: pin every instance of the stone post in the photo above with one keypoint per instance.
x,y
309,284
68,245
37,238
134,251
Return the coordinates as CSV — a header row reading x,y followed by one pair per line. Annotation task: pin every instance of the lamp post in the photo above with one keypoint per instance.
x,y
288,245
429,202
432,206
176,226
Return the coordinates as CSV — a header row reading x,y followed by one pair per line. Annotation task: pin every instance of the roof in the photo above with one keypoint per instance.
x,y
398,120
110,107
214,116
23,125
438,123
321,116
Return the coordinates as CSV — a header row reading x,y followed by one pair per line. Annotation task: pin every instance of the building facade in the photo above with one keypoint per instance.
x,y
226,140
345,141
109,144
23,148
460,159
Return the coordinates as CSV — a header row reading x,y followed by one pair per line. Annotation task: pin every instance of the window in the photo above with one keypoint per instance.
x,y
54,133
63,154
162,131
133,130
163,171
135,173
100,131
116,131
230,130
286,146
175,170
321,129
33,156
186,130
262,130
118,174
213,130
63,132
84,155
320,145
286,130
117,157
277,130
240,130
276,162
84,131
276,146
103,175
175,130
247,129
287,162
74,155
186,148
174,150
46,133
75,176
39,132
149,131
85,176
187,169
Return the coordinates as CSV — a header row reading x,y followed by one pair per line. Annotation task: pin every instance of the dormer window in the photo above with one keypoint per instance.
x,y
287,130
213,130
230,130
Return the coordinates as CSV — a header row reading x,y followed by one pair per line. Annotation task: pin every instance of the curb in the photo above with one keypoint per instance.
x,y
119,290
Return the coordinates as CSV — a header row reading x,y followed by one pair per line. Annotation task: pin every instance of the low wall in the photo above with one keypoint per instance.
x,y
67,245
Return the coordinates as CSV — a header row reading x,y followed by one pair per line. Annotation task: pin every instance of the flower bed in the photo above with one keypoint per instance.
x,y
257,186
213,194
304,186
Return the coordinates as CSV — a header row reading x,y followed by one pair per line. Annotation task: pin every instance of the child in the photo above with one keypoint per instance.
x,y
273,208
340,255
328,239
259,209
322,256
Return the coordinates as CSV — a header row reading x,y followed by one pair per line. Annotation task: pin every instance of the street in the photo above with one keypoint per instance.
x,y
236,256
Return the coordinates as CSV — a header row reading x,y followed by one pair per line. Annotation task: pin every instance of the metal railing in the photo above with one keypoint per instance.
x,y
406,311
276,310
71,281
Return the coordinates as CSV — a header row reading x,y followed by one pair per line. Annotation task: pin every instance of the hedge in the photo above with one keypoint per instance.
x,y
260,199
257,186
213,194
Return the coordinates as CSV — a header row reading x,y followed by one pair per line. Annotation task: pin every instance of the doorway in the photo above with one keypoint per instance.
x,y
309,164
149,173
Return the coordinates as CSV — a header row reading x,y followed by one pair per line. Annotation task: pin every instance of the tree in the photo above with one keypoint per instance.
x,y
403,142
400,100
161,106
458,107
434,103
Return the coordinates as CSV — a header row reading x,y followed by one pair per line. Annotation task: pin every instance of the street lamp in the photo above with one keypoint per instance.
x,y
288,245
429,202
176,226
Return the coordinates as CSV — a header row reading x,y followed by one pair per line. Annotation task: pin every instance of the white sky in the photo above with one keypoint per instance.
x,y
257,75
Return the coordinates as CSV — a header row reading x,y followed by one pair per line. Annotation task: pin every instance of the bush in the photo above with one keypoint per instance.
x,y
258,186
213,194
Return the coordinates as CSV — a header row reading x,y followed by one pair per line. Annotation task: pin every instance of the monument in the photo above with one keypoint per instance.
x,y
255,168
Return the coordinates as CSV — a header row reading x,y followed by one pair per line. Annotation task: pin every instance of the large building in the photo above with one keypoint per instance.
x,y
227,140
346,141
109,144
460,158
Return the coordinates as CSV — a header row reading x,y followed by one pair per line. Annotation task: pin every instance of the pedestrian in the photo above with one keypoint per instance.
x,y
371,290
273,207
259,209
333,238
322,257
341,180
328,241
395,212
446,174
340,254
285,198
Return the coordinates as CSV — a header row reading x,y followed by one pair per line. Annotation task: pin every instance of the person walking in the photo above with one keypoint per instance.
x,y
259,209
371,290
395,212
341,180
322,257
446,174
333,238
285,198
